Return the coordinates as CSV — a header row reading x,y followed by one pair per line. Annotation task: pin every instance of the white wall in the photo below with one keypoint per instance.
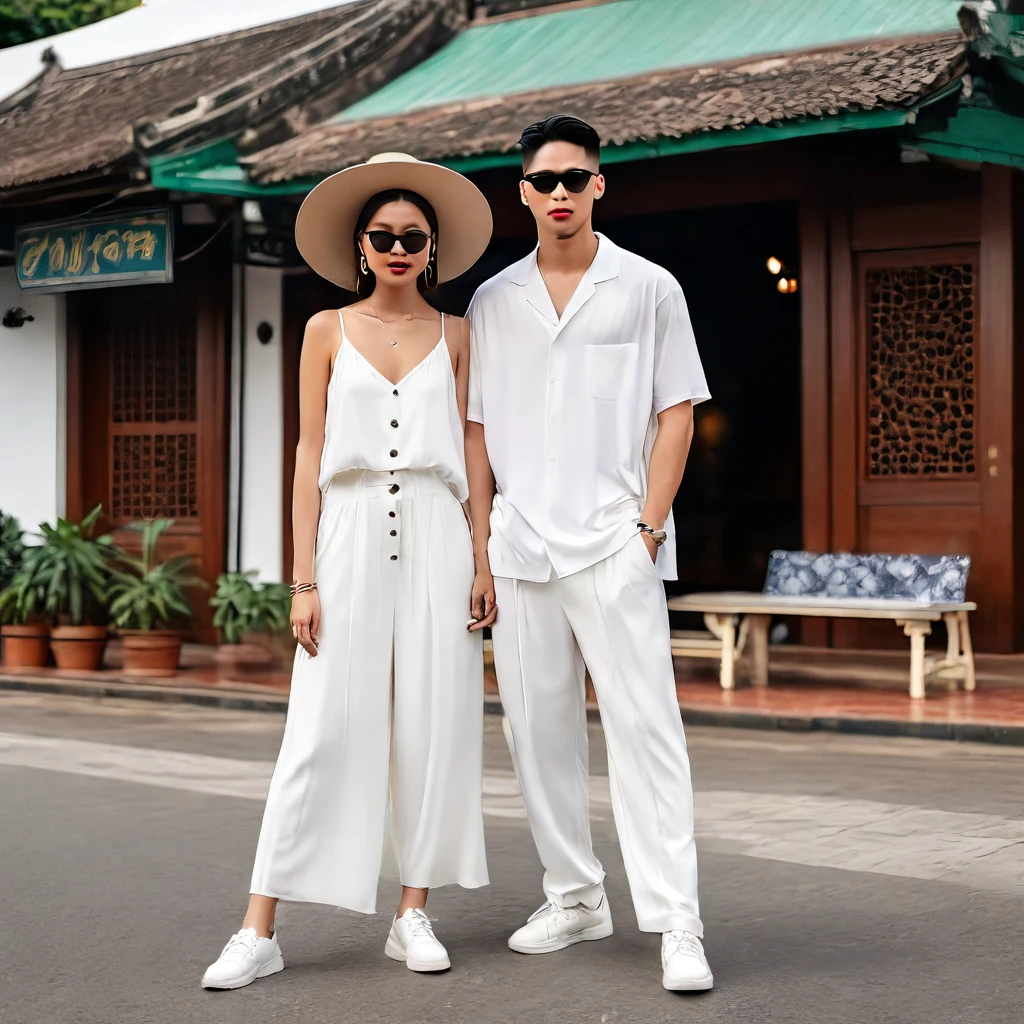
x,y
33,394
262,431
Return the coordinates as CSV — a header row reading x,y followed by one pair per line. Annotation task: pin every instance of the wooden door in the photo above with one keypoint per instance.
x,y
147,407
909,422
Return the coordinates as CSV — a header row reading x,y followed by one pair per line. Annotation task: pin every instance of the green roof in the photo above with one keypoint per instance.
x,y
632,37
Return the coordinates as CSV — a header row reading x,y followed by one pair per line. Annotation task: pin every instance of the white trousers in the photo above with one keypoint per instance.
x,y
385,725
613,618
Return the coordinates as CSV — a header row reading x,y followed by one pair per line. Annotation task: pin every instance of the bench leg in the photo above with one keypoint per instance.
x,y
953,632
759,647
917,631
724,627
968,651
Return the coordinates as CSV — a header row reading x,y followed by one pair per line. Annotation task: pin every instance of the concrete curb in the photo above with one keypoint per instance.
x,y
248,700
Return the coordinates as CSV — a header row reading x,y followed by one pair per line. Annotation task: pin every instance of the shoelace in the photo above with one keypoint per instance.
x,y
420,925
684,942
567,914
240,944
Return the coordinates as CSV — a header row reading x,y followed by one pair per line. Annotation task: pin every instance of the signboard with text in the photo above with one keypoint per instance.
x,y
95,252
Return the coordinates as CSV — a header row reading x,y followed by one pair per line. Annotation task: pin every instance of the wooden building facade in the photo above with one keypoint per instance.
x,y
878,406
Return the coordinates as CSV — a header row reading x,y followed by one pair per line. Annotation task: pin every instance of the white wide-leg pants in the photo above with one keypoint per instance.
x,y
613,618
384,737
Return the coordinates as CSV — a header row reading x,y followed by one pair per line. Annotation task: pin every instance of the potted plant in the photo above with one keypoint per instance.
x,y
249,616
72,570
26,633
145,596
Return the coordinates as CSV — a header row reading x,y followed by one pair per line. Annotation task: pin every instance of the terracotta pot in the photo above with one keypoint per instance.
x,y
281,644
244,662
26,646
150,652
78,647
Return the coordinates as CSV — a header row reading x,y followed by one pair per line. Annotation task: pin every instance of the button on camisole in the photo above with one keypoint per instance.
x,y
377,425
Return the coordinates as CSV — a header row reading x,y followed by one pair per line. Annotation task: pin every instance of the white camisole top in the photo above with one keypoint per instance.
x,y
376,425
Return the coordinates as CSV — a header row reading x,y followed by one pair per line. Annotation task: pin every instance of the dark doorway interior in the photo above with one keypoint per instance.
x,y
741,495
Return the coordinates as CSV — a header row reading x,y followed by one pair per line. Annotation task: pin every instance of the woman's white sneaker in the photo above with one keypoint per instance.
x,y
412,940
551,927
684,964
246,957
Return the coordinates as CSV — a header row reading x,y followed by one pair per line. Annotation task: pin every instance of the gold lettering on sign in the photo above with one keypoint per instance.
x,y
33,253
76,259
57,253
140,243
112,250
98,244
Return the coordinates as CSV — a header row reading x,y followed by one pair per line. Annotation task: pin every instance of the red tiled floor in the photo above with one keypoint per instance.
x,y
805,684
1003,706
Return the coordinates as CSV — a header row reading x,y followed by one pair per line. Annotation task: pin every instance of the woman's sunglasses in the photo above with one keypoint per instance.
x,y
546,182
412,241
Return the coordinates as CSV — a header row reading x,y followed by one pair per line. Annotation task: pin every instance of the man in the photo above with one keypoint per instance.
x,y
583,377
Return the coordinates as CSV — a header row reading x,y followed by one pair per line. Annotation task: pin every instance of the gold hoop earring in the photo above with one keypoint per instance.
x,y
363,267
430,271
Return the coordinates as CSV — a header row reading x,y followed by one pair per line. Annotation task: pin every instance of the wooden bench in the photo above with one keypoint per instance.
x,y
912,590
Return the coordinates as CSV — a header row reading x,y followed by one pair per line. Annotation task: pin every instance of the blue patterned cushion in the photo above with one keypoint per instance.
x,y
925,579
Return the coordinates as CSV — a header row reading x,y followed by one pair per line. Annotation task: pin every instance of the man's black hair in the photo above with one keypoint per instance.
x,y
559,128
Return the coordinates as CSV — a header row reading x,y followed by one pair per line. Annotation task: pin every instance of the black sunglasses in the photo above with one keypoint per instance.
x,y
546,182
412,241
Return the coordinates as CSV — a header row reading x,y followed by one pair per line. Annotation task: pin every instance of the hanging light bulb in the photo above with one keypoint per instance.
x,y
792,285
783,285
774,265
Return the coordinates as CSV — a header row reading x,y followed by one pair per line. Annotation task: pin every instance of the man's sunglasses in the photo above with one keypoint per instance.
x,y
412,241
546,182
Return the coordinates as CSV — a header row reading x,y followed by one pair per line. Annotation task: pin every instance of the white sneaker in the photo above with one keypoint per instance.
x,y
552,927
412,939
245,958
684,964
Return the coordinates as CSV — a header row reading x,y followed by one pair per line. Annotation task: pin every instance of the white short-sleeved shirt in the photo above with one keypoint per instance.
x,y
569,407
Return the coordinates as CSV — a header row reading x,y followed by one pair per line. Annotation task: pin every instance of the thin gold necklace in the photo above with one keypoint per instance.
x,y
407,317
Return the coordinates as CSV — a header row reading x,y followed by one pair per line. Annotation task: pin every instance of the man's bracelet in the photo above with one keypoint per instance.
x,y
658,536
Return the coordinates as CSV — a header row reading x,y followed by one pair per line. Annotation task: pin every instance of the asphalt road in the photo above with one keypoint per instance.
x,y
843,879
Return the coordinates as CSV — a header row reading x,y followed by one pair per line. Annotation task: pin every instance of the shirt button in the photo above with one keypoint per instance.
x,y
394,488
392,515
394,423
554,380
551,458
394,558
394,453
394,533
395,392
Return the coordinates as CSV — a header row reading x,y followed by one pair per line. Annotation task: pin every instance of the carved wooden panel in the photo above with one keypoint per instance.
x,y
153,351
154,475
921,324
153,371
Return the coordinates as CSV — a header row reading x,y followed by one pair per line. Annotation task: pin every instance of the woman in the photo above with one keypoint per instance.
x,y
383,743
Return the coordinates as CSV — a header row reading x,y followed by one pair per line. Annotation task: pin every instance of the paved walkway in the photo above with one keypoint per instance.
x,y
844,880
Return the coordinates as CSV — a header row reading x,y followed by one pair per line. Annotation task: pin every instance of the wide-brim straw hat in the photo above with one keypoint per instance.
x,y
326,223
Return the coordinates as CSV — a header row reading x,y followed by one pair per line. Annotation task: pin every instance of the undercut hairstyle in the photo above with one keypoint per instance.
x,y
559,128
365,283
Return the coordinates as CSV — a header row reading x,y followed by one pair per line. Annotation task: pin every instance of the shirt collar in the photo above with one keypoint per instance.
x,y
526,273
604,267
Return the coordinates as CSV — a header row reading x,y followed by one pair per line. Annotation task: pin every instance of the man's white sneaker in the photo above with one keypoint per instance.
x,y
684,964
552,927
245,958
412,939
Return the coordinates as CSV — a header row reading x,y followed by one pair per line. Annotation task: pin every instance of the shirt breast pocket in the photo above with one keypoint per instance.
x,y
608,368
